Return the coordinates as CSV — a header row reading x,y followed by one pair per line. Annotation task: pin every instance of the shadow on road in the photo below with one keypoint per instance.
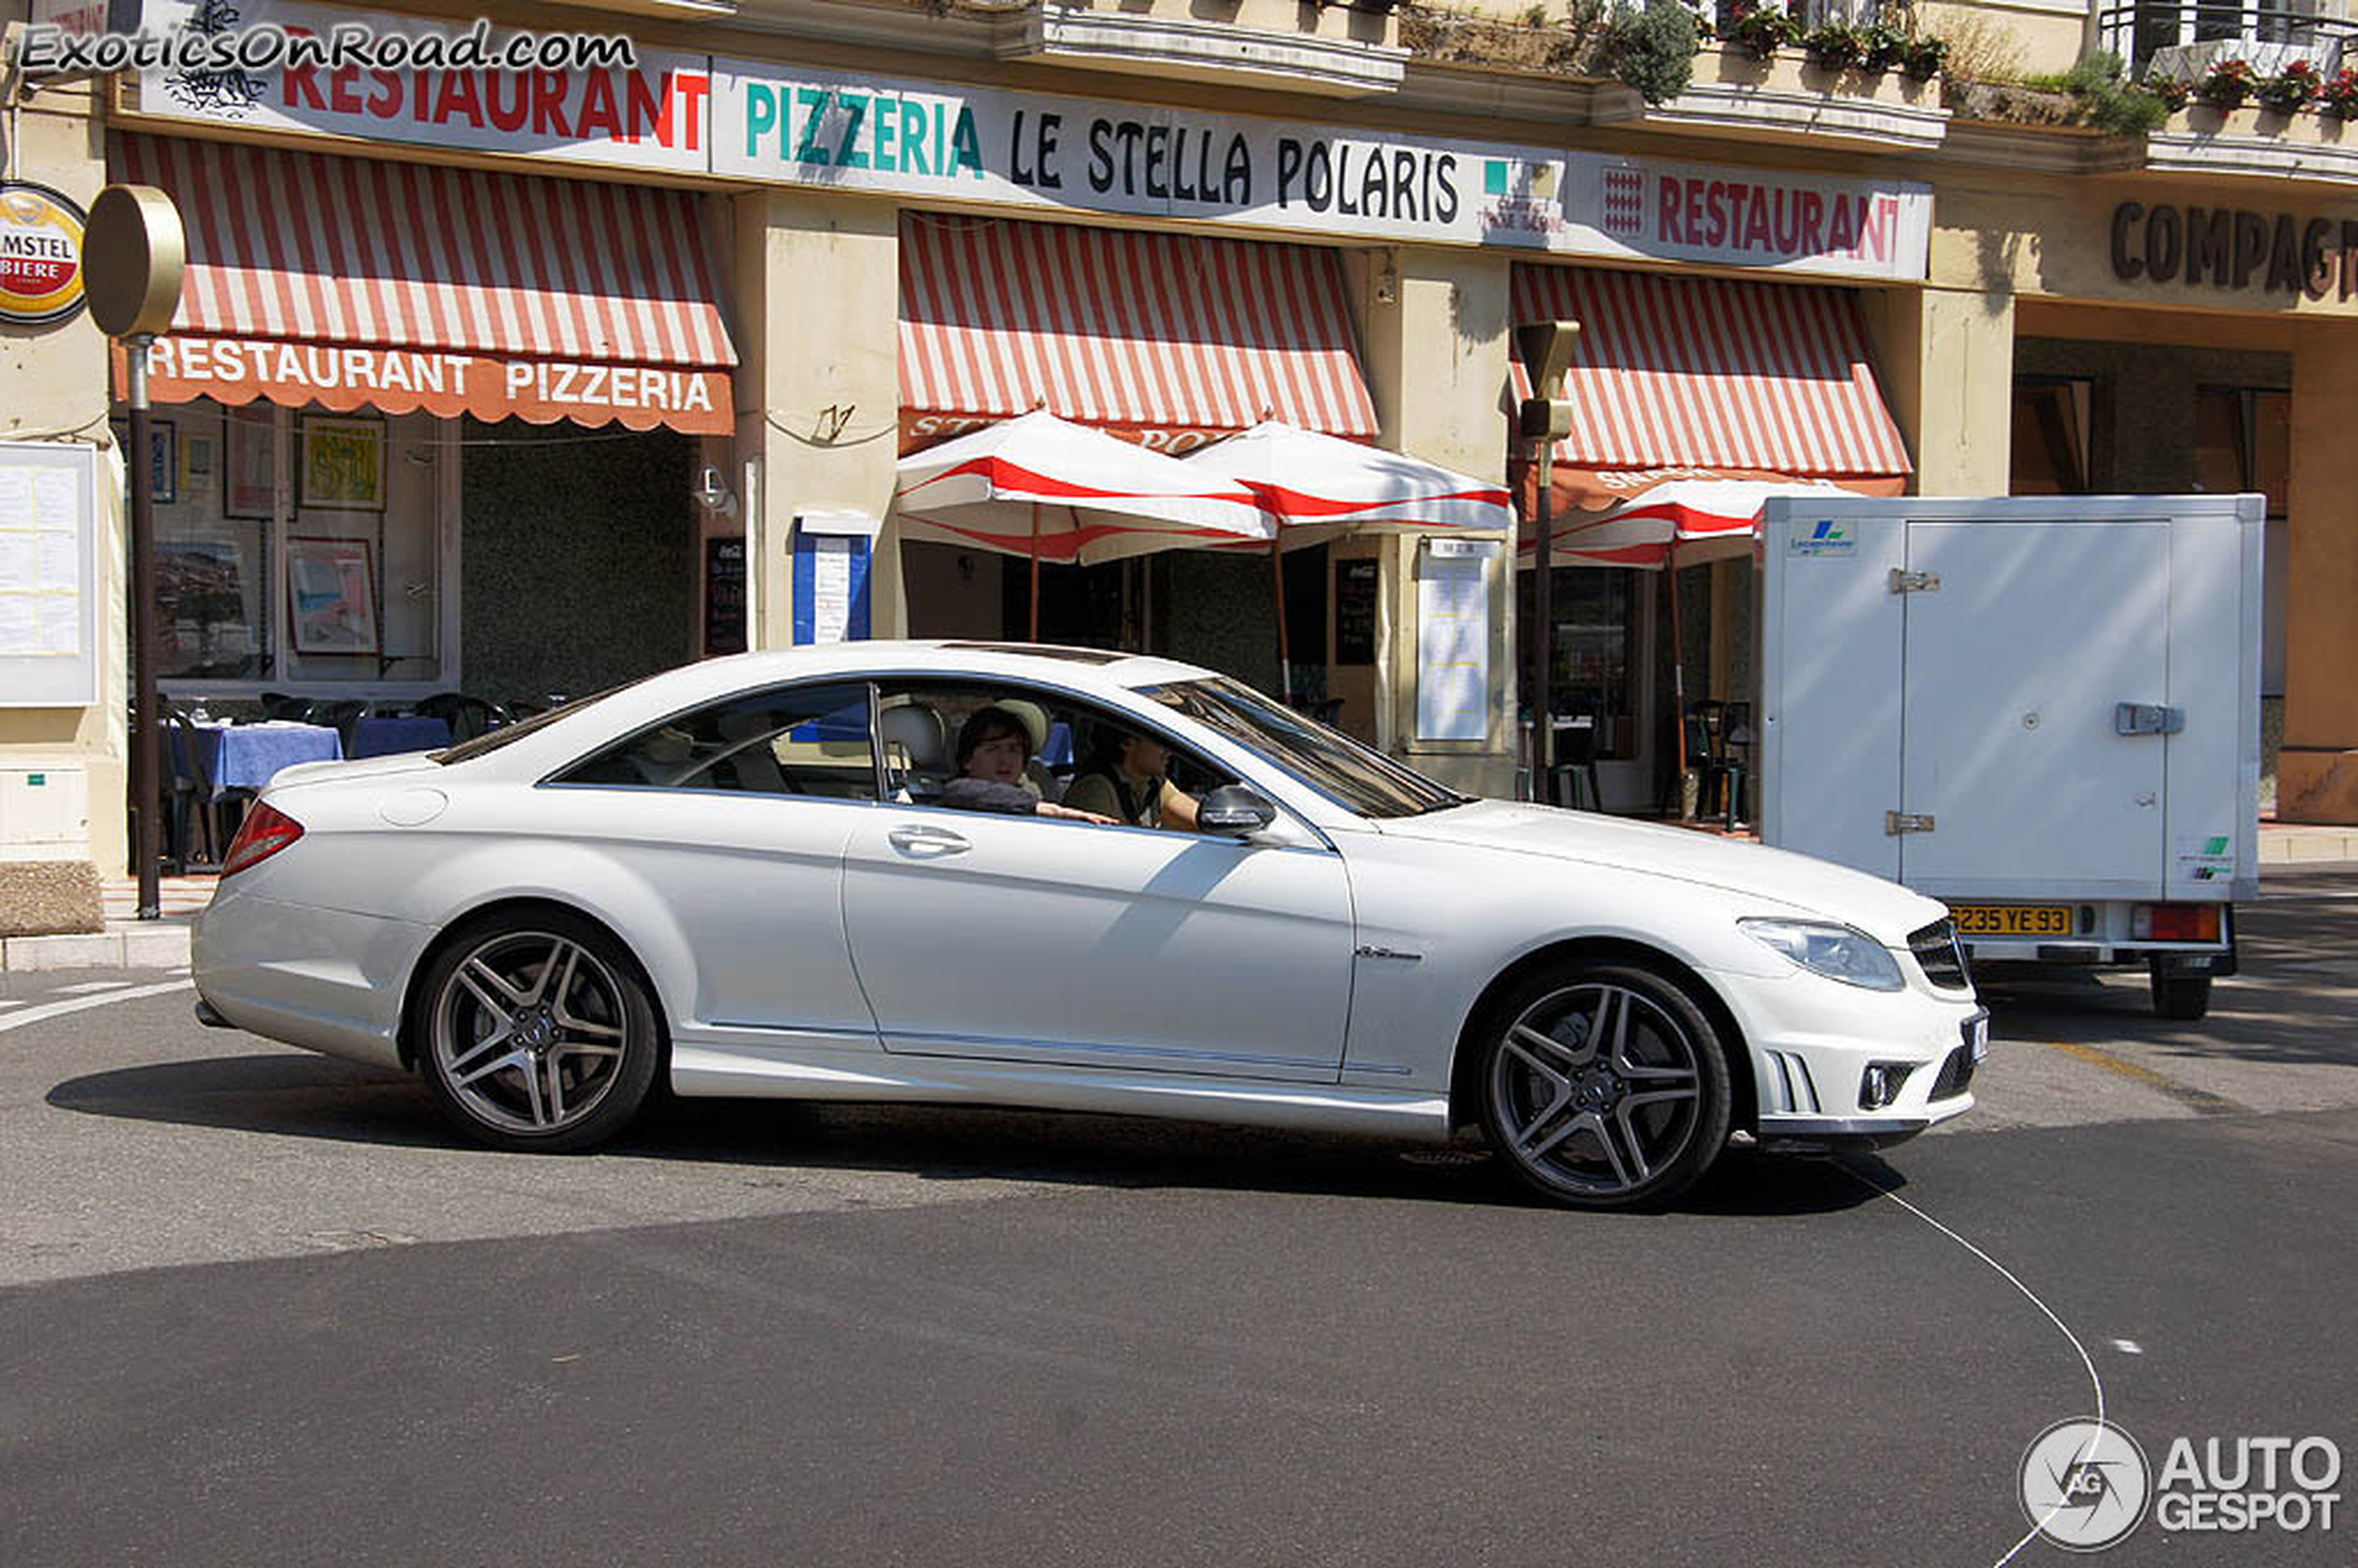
x,y
322,1098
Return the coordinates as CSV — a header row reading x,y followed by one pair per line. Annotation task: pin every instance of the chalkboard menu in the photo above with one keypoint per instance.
x,y
724,597
1355,594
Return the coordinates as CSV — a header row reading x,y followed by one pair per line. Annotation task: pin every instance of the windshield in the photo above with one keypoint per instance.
x,y
492,739
1351,775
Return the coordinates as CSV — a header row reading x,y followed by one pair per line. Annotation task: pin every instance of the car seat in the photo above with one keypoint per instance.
x,y
1036,776
752,764
915,752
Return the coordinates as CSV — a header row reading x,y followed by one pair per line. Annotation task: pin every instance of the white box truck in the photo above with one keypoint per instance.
x,y
2043,711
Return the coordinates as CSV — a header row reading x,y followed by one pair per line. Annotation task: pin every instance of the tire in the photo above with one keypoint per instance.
x,y
2180,995
537,1033
1604,1086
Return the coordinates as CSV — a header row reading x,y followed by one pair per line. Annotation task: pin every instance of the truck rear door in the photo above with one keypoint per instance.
x,y
2014,666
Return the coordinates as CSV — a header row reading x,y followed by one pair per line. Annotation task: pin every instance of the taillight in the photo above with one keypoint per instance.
x,y
265,830
2176,923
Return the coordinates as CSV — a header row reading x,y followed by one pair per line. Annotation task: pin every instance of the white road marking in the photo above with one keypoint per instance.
x,y
87,987
59,1009
2127,1347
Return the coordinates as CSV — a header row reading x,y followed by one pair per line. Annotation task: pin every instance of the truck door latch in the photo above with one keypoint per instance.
x,y
2147,719
1914,582
1897,822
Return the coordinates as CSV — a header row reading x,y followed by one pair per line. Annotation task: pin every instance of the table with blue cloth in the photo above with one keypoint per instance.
x,y
244,757
383,736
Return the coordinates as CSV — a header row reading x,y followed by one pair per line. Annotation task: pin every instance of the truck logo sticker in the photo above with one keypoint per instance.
x,y
2206,859
1829,537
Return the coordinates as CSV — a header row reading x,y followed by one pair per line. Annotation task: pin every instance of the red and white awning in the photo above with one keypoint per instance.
x,y
1712,373
1313,487
1172,339
1687,519
354,282
1041,487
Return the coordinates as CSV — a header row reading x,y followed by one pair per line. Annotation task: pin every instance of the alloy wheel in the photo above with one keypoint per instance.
x,y
530,1031
1597,1090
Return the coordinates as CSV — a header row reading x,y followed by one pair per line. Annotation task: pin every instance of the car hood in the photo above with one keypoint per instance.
x,y
1885,910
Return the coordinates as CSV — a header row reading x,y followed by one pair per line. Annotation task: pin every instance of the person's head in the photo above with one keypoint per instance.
x,y
993,744
1132,755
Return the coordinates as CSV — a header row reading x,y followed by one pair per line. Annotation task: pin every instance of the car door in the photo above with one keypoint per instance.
x,y
731,820
1129,948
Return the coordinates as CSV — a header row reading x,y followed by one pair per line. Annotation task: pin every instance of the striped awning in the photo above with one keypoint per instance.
x,y
1706,373
352,282
1167,338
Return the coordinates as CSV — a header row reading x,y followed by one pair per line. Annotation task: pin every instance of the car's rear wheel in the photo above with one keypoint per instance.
x,y
1604,1086
539,1034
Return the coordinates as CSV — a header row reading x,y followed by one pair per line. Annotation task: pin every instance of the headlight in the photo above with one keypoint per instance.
x,y
1839,952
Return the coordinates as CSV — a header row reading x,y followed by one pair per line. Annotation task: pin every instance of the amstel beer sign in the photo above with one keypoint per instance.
x,y
40,254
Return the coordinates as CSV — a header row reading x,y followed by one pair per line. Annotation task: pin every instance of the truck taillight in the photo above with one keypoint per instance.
x,y
2176,923
265,830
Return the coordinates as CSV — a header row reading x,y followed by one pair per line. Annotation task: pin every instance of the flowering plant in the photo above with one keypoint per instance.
x,y
1886,46
2298,89
2175,92
1923,57
2227,84
1837,45
2340,94
1759,30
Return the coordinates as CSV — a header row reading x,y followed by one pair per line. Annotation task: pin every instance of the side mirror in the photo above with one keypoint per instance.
x,y
1235,810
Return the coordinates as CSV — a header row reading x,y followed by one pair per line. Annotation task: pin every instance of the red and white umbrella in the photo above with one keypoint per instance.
x,y
1312,487
1048,489
1691,519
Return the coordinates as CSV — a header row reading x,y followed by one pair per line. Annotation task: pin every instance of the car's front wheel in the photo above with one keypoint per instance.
x,y
1605,1086
538,1033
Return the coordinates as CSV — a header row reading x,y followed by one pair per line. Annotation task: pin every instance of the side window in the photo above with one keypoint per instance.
x,y
793,740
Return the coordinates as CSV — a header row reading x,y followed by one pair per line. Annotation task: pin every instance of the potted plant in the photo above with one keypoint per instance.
x,y
2175,92
1923,57
2339,95
1759,30
1886,46
2227,84
1837,45
2298,89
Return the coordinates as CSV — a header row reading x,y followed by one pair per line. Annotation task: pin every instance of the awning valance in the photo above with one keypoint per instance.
x,y
355,283
1168,337
1709,373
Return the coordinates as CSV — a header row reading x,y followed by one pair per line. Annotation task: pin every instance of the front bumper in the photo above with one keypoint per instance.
x,y
1812,1040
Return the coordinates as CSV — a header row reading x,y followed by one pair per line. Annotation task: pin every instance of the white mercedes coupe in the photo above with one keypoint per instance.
x,y
757,877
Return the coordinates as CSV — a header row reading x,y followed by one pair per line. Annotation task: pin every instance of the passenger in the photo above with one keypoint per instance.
x,y
1128,779
993,746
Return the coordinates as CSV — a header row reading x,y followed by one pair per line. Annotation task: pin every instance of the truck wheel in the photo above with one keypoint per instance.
x,y
2180,994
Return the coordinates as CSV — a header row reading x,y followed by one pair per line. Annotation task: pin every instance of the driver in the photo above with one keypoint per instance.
x,y
1128,780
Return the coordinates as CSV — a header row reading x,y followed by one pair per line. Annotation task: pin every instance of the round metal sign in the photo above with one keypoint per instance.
x,y
138,249
40,270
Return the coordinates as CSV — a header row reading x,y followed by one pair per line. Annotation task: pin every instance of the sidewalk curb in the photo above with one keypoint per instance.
x,y
124,944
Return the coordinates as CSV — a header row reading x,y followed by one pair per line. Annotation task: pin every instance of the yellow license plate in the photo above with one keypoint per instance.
x,y
2012,920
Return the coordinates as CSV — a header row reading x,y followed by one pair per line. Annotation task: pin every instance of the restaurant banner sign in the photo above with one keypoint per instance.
x,y
1767,218
932,140
651,114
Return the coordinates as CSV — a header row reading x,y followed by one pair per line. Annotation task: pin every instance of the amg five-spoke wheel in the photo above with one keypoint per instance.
x,y
539,1034
1605,1086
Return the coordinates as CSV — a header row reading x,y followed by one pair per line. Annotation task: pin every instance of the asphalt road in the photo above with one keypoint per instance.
x,y
258,1309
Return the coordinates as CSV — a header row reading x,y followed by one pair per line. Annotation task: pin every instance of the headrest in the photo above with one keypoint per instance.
x,y
1034,717
743,723
916,731
666,745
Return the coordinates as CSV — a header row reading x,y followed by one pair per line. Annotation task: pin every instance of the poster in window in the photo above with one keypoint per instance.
x,y
248,485
331,589
343,464
724,603
164,463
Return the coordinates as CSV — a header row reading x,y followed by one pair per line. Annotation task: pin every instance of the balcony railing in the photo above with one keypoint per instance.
x,y
2183,40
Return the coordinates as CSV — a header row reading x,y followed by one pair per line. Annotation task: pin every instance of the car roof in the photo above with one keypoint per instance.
x,y
1096,667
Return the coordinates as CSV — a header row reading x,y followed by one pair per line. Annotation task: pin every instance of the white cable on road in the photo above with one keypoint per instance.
x,y
58,1009
2031,1296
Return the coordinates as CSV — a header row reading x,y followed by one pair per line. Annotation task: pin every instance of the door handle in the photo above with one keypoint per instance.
x,y
928,841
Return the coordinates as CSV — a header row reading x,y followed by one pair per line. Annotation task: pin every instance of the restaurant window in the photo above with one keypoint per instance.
x,y
298,550
2051,426
1594,611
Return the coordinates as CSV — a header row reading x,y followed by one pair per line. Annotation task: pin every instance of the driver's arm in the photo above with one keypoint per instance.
x,y
1178,807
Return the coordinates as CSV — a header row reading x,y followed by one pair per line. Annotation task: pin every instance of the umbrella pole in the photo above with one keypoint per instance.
x,y
1543,734
1285,653
1035,572
1678,680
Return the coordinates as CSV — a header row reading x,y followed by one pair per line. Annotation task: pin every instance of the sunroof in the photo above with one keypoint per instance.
x,y
1075,656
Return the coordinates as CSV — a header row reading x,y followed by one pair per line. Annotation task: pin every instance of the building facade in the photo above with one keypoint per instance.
x,y
524,382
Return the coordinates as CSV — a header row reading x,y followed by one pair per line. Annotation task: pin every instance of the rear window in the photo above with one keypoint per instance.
x,y
795,740
492,739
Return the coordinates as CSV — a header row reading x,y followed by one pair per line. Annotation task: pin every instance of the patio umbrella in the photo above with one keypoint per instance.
x,y
1045,488
1311,488
1678,519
